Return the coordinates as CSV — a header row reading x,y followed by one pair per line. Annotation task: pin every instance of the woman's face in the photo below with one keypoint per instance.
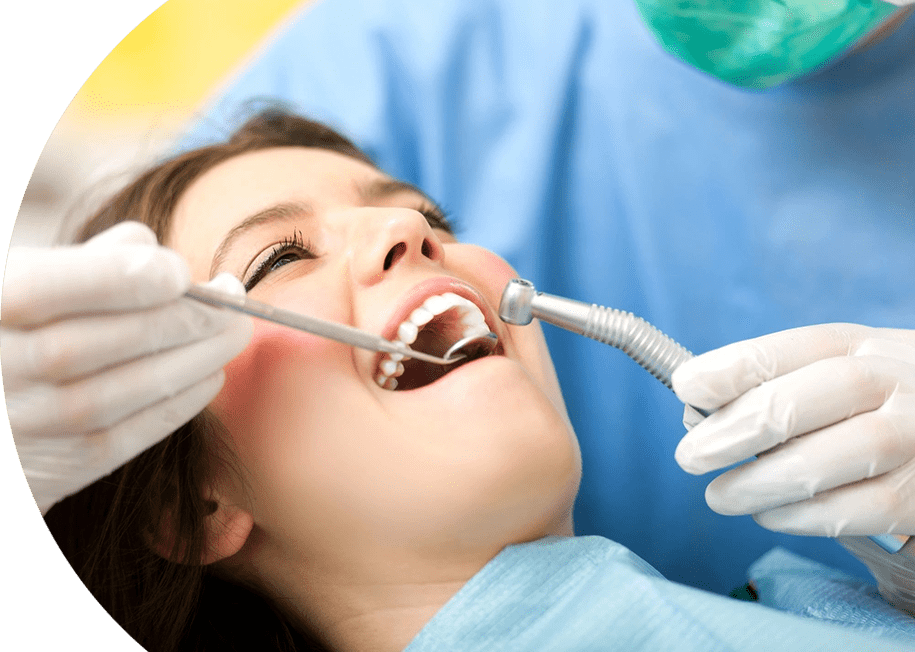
x,y
329,456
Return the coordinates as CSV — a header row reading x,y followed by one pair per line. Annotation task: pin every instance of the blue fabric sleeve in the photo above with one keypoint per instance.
x,y
561,136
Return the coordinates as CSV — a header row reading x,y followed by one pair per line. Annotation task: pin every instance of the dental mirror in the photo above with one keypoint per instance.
x,y
471,346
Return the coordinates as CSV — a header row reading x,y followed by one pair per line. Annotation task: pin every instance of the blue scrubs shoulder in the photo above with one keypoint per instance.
x,y
562,136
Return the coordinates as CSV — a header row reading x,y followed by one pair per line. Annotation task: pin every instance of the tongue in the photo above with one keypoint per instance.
x,y
419,374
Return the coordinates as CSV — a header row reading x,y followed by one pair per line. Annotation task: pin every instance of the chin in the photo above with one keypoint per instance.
x,y
526,475
525,504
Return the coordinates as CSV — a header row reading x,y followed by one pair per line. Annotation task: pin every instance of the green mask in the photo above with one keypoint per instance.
x,y
760,43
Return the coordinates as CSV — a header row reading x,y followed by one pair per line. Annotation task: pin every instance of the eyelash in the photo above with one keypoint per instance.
x,y
435,217
294,244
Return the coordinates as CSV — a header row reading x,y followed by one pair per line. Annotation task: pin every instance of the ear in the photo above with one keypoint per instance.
x,y
226,529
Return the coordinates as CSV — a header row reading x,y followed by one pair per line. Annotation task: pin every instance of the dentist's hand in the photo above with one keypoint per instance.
x,y
101,355
828,410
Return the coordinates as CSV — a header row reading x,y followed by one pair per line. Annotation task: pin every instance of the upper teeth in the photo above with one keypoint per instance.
x,y
470,316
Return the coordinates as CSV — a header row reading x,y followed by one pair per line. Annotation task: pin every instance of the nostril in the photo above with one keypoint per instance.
x,y
396,252
426,249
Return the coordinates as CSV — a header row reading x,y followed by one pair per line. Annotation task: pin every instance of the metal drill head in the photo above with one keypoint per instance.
x,y
515,307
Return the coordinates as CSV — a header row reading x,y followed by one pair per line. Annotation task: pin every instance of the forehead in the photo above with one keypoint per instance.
x,y
253,180
226,194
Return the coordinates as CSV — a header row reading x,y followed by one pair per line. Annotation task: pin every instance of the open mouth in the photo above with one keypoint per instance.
x,y
433,328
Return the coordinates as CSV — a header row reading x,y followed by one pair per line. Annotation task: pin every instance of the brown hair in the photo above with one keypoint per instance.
x,y
107,529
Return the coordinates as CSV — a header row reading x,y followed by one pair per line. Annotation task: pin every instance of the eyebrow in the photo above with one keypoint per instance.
x,y
383,188
372,191
277,213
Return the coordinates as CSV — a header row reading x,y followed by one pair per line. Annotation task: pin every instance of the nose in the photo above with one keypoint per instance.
x,y
391,237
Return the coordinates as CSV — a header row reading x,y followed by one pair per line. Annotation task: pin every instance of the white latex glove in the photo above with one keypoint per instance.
x,y
830,412
101,355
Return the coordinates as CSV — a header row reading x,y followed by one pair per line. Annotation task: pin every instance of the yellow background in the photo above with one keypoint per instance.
x,y
136,104
175,58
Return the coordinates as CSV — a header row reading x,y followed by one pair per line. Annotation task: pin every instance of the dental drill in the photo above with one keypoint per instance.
x,y
660,355
653,350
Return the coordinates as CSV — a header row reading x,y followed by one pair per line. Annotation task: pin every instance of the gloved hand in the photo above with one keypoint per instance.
x,y
828,410
101,355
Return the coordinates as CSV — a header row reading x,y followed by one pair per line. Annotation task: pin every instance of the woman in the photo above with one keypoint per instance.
x,y
318,504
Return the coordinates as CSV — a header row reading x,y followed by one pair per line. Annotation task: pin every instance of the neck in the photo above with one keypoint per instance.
x,y
380,605
379,616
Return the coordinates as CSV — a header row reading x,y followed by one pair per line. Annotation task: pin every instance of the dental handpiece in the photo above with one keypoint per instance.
x,y
653,350
660,355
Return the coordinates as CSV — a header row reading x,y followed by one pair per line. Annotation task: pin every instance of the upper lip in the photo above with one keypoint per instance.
x,y
415,297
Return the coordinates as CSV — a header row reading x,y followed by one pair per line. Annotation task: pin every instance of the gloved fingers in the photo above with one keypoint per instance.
x,y
893,343
881,505
813,397
44,284
129,232
57,467
102,400
864,446
713,379
70,349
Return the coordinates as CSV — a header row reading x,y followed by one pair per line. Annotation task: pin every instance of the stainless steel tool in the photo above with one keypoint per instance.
x,y
333,330
653,350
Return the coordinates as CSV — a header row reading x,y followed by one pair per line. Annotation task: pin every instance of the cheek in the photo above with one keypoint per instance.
x,y
488,271
280,369
241,392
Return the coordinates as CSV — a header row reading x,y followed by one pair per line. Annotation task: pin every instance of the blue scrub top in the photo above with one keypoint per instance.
x,y
563,137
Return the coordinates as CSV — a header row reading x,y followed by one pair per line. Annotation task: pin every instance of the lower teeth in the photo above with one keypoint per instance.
x,y
469,318
386,383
